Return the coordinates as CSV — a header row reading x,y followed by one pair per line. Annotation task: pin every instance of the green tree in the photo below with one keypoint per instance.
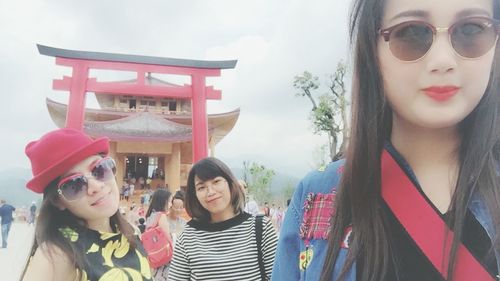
x,y
329,111
306,83
259,181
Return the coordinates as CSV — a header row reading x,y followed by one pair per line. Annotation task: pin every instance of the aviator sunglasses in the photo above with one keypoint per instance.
x,y
75,186
471,37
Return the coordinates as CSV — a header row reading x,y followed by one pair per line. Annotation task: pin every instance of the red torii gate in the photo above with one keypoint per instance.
x,y
79,84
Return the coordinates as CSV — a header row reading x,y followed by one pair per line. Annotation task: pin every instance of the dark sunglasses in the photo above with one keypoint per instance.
x,y
470,37
75,186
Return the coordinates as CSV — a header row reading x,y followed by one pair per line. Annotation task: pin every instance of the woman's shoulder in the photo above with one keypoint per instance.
x,y
313,198
189,232
162,215
201,227
324,179
153,217
50,262
51,250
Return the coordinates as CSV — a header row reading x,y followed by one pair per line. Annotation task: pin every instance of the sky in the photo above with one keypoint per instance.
x,y
272,40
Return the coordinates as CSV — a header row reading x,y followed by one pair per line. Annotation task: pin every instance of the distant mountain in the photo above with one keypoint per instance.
x,y
279,182
13,187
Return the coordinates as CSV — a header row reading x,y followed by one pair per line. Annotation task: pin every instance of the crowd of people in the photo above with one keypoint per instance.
x,y
415,197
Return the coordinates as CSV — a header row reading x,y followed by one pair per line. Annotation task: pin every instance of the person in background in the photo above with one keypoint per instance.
x,y
251,205
80,234
32,216
6,211
133,214
141,182
175,220
220,243
156,214
147,195
141,199
267,211
285,210
273,214
122,189
279,219
126,192
131,188
141,212
142,226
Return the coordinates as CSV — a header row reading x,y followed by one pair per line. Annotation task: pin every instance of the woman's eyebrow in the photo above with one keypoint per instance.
x,y
472,11
411,13
90,167
94,163
426,15
67,175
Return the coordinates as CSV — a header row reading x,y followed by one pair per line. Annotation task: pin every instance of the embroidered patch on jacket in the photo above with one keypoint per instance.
x,y
305,258
340,170
346,240
318,208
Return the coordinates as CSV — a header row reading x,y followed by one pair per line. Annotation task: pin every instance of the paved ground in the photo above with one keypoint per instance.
x,y
13,258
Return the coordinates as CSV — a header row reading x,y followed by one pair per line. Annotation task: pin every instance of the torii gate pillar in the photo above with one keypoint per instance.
x,y
77,96
199,117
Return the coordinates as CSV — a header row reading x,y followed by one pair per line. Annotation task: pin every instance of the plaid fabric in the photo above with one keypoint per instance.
x,y
318,209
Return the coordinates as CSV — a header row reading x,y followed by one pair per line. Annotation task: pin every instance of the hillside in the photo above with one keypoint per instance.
x,y
279,182
13,187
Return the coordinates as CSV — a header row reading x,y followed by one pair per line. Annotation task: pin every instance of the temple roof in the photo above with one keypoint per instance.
x,y
72,54
144,126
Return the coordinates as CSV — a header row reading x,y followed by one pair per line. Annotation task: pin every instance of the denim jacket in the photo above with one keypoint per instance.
x,y
302,259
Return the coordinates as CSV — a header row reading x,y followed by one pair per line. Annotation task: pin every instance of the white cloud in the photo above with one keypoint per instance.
x,y
250,51
272,40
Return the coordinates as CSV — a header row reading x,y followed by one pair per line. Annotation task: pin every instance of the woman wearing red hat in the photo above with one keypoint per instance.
x,y
80,234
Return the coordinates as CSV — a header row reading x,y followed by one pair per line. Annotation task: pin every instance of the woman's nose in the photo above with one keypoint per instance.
x,y
94,185
441,58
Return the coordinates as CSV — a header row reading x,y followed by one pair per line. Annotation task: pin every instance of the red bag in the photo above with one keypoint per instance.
x,y
158,244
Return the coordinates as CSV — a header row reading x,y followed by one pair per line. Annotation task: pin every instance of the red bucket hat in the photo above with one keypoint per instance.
x,y
57,151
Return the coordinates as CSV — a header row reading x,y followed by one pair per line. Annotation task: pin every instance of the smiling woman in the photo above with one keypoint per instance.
x,y
221,241
80,235
416,197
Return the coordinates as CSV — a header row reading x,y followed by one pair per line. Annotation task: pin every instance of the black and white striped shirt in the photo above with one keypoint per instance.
x,y
223,251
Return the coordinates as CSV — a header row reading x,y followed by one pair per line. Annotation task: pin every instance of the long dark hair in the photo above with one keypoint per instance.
x,y
358,200
51,219
207,169
158,201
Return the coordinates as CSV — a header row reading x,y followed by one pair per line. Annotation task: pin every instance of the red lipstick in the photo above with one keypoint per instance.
x,y
441,93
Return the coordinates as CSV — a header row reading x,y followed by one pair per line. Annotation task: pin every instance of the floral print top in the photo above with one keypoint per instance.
x,y
109,256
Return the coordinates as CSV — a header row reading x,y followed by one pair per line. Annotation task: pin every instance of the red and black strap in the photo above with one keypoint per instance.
x,y
417,217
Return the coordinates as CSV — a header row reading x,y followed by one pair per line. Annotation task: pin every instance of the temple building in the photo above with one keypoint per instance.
x,y
150,137
156,128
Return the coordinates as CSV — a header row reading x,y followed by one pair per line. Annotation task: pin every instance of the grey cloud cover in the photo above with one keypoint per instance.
x,y
273,41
